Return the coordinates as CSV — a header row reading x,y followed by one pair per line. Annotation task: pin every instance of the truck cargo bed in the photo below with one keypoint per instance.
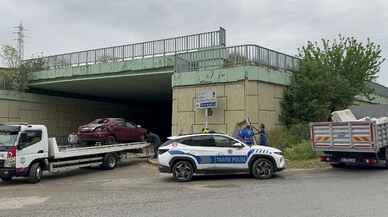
x,y
355,136
59,153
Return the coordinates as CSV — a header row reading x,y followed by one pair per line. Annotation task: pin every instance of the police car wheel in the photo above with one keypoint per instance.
x,y
262,168
183,171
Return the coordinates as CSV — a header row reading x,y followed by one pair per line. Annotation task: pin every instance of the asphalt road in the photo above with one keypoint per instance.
x,y
137,189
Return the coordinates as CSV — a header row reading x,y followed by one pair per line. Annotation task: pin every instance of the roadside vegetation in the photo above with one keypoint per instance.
x,y
16,74
331,75
295,144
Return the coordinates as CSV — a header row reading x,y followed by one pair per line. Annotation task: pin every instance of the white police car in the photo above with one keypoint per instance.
x,y
186,155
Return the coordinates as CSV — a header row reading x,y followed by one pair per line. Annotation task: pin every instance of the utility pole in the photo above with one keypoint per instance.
x,y
20,41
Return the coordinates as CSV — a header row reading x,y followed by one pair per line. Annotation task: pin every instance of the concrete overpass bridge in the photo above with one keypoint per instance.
x,y
143,71
140,71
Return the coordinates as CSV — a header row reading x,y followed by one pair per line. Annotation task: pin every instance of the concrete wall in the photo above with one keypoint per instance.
x,y
60,115
260,101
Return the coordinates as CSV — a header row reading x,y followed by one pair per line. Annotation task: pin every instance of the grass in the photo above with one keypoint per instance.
x,y
306,164
296,147
300,151
301,156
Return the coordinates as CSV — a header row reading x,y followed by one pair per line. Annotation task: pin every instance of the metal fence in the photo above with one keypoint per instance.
x,y
139,50
233,56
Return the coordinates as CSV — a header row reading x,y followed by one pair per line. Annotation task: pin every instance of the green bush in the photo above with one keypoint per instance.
x,y
293,141
282,137
300,151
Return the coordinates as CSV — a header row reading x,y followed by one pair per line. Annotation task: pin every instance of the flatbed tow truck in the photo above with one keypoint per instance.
x,y
27,151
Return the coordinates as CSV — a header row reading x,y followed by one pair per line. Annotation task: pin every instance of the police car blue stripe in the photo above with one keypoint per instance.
x,y
215,159
219,159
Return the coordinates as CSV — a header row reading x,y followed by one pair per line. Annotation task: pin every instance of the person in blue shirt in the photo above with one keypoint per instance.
x,y
247,135
263,135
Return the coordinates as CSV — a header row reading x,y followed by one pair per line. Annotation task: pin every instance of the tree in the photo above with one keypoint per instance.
x,y
331,74
10,57
16,75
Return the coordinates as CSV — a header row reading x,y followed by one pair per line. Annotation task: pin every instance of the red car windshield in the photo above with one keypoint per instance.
x,y
106,120
98,121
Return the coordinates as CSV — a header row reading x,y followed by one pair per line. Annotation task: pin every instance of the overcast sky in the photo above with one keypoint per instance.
x,y
59,26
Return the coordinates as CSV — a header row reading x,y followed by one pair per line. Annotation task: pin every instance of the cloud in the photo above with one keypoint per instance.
x,y
62,26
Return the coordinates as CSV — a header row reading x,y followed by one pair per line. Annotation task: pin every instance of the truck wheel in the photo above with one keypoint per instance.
x,y
262,168
110,162
35,173
386,157
183,171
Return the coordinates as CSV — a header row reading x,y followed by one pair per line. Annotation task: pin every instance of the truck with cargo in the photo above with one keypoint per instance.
x,y
27,151
351,142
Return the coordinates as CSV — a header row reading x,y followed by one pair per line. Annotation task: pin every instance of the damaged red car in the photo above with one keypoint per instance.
x,y
110,131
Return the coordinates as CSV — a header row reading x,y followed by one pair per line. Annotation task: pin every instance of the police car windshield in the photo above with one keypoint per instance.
x,y
167,143
8,138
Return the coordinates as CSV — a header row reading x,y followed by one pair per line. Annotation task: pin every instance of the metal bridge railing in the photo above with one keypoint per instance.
x,y
233,56
138,50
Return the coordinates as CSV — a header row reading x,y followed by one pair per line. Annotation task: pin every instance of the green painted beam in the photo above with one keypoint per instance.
x,y
97,77
237,73
38,98
128,67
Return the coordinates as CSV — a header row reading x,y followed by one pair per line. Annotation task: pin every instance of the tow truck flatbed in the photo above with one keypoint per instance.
x,y
58,152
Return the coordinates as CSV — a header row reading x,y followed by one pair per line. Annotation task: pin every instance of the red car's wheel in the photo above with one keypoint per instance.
x,y
110,140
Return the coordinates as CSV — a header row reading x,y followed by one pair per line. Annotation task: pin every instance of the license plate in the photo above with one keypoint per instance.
x,y
348,160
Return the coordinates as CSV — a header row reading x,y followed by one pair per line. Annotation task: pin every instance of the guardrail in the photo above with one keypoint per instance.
x,y
233,56
141,50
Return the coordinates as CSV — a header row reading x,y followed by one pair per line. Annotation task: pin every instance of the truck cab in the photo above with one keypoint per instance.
x,y
20,147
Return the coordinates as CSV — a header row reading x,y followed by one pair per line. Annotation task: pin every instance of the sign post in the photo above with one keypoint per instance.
x,y
207,99
206,118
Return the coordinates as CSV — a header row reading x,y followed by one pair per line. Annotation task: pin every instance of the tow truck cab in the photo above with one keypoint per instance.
x,y
20,146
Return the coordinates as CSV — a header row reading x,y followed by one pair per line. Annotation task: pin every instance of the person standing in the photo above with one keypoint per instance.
x,y
154,139
263,135
247,135
72,139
